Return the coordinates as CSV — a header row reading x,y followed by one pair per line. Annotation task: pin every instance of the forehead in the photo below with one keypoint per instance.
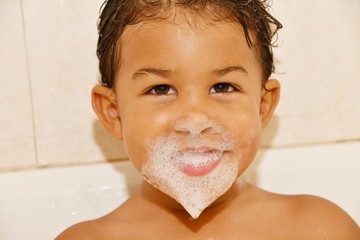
x,y
187,42
185,20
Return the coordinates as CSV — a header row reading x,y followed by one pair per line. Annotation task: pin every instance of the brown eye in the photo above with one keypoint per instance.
x,y
221,88
161,90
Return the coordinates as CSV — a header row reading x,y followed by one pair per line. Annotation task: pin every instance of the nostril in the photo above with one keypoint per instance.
x,y
193,129
194,124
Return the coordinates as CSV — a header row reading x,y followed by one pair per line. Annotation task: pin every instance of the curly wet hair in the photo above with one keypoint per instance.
x,y
258,24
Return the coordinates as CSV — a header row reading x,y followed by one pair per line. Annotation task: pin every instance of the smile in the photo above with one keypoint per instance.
x,y
198,161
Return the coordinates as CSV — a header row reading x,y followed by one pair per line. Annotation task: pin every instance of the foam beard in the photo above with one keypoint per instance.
x,y
196,174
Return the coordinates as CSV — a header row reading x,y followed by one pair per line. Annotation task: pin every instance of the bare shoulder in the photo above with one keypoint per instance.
x,y
314,216
84,230
331,220
107,227
115,225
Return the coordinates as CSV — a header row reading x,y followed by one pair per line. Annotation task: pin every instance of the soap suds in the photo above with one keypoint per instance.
x,y
168,154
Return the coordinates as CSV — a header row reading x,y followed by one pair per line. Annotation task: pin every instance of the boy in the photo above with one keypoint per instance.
x,y
185,86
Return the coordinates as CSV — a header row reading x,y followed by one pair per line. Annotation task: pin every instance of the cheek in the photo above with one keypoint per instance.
x,y
137,130
247,135
247,153
135,150
134,132
162,119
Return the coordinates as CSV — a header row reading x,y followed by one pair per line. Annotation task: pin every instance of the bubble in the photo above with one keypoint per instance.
x,y
168,156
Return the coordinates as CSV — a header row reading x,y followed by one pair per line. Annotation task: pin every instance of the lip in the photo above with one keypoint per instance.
x,y
198,161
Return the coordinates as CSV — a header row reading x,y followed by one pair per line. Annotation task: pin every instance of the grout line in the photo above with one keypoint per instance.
x,y
309,144
29,82
62,165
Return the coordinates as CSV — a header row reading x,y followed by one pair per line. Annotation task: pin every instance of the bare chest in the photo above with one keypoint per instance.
x,y
226,230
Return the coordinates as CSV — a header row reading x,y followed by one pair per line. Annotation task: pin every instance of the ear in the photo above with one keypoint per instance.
x,y
105,106
269,99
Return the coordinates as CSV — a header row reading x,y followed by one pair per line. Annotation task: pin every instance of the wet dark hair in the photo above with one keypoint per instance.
x,y
258,25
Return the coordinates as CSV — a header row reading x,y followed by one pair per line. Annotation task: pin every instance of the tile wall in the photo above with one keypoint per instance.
x,y
48,67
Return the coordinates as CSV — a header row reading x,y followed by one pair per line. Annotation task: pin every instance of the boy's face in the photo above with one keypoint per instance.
x,y
185,82
171,72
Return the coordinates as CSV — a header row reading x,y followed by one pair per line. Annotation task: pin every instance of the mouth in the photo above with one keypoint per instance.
x,y
198,161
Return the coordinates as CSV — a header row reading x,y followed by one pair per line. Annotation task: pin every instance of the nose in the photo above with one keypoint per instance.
x,y
195,124
195,111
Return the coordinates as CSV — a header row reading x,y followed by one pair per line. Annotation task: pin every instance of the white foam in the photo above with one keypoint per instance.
x,y
194,193
197,159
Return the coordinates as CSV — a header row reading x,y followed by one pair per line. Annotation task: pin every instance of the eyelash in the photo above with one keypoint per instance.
x,y
165,89
160,87
227,87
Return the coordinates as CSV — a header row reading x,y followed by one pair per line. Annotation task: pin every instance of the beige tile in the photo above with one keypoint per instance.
x,y
63,70
17,148
318,64
312,128
15,103
17,153
79,149
61,38
321,65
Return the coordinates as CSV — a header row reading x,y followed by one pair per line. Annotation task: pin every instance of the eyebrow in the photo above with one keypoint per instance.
x,y
154,71
166,73
230,69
